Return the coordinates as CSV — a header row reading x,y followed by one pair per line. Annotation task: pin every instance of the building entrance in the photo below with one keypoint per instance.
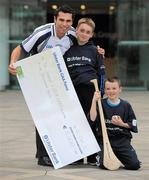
x,y
121,29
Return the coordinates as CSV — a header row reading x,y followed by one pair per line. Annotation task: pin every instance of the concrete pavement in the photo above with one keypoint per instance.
x,y
17,144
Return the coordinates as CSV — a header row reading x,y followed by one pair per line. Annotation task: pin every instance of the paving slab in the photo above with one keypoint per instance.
x,y
17,144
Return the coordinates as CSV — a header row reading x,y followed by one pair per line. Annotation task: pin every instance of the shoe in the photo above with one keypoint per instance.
x,y
74,163
44,161
92,163
79,162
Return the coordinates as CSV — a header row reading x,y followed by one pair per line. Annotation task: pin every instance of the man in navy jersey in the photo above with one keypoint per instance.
x,y
120,121
60,33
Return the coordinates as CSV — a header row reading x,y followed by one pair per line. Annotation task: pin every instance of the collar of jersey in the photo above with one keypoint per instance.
x,y
113,104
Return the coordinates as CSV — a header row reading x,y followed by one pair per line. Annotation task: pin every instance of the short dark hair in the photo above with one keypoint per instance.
x,y
113,79
65,9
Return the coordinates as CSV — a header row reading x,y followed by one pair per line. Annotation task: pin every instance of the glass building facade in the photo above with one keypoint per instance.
x,y
122,28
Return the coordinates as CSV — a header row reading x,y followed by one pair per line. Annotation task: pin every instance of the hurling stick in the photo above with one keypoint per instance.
x,y
110,161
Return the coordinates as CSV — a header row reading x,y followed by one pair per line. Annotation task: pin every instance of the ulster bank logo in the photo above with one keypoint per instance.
x,y
51,149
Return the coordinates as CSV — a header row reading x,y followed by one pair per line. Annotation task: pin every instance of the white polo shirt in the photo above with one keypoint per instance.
x,y
45,37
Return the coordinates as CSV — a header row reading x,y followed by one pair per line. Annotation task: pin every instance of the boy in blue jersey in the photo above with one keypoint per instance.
x,y
120,121
84,63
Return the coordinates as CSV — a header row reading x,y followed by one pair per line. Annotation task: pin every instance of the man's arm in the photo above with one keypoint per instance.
x,y
16,54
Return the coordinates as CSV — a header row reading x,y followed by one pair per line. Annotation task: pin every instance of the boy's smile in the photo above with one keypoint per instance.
x,y
112,90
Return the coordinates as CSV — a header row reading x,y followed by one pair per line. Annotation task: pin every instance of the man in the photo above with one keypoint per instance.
x,y
47,36
60,33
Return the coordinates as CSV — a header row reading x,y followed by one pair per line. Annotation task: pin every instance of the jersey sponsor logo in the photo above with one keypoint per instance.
x,y
134,122
78,58
50,46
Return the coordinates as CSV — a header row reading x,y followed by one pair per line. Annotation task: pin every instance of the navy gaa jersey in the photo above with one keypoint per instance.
x,y
84,63
125,111
45,37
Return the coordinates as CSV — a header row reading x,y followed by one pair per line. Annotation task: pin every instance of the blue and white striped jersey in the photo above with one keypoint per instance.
x,y
45,37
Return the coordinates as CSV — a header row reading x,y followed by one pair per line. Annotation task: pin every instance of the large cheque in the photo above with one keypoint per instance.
x,y
55,108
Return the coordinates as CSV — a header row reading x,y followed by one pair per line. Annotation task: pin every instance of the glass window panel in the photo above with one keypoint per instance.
x,y
24,17
133,42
